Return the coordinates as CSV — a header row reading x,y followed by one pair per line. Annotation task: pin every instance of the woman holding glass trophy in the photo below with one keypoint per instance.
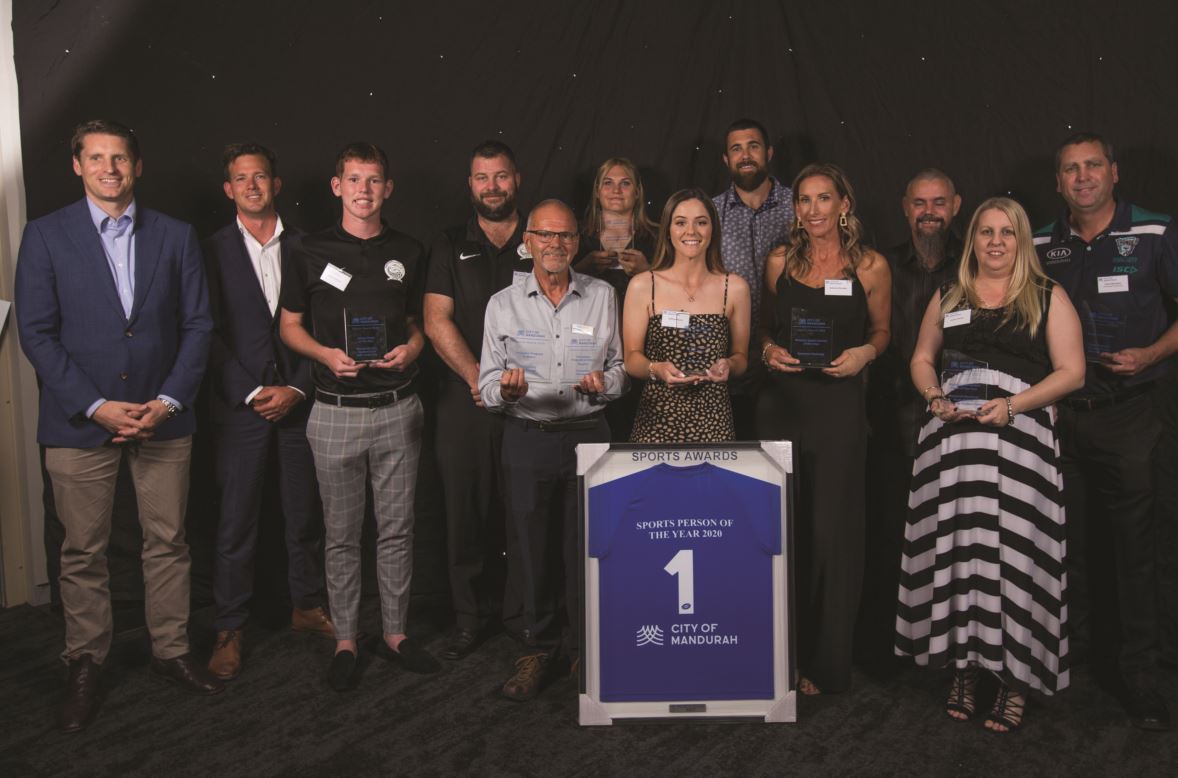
x,y
825,316
685,329
617,242
982,574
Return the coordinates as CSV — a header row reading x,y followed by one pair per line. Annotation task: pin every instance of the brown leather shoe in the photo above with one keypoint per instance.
x,y
225,662
81,696
187,674
313,620
532,673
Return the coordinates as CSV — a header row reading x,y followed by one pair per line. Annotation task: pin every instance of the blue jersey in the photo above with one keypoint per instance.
x,y
685,561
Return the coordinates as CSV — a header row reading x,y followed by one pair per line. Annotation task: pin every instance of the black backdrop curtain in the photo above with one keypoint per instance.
x,y
982,90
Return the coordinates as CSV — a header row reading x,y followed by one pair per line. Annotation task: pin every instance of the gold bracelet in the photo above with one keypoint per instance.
x,y
926,390
765,352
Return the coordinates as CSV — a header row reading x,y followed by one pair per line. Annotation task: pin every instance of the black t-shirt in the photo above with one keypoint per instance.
x,y
466,266
616,277
387,274
896,407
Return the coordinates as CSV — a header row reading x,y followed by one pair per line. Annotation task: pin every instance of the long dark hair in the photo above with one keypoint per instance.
x,y
664,255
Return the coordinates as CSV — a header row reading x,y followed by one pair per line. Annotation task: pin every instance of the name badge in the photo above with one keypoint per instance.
x,y
337,277
519,276
957,318
583,329
838,287
677,319
1108,284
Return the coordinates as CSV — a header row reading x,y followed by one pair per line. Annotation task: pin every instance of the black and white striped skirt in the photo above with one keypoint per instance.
x,y
982,575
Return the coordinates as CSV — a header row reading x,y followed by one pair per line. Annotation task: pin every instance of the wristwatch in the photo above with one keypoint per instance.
x,y
173,409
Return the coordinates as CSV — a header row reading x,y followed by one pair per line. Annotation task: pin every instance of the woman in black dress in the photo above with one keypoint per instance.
x,y
685,329
617,242
836,293
982,579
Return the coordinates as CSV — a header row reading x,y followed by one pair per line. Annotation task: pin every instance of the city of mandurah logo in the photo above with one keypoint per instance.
x,y
394,270
1125,246
685,634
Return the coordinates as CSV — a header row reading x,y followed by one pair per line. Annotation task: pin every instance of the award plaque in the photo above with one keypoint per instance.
x,y
582,357
1104,332
811,339
964,381
365,335
531,351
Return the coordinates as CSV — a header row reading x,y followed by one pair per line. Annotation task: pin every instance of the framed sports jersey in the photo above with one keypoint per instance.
x,y
687,587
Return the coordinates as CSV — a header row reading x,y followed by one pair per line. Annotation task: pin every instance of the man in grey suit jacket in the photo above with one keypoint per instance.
x,y
112,311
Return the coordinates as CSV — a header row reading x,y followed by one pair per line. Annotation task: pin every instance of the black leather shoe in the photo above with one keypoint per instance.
x,y
408,655
81,696
1147,710
342,675
188,675
462,643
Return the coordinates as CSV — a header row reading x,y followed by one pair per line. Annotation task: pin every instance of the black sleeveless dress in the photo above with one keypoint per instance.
x,y
699,413
982,578
826,419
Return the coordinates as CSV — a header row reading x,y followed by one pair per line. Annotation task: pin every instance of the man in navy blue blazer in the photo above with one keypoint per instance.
x,y
112,311
258,404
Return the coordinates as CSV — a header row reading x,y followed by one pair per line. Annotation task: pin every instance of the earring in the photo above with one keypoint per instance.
x,y
799,222
843,219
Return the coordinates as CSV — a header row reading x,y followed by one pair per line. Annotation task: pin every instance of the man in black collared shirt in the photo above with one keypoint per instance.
x,y
1118,263
468,264
362,279
919,265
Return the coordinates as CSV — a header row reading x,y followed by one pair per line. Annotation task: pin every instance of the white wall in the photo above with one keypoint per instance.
x,y
22,557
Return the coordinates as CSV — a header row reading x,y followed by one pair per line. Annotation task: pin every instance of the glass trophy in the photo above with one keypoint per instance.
x,y
365,335
531,351
581,357
1104,332
811,339
965,381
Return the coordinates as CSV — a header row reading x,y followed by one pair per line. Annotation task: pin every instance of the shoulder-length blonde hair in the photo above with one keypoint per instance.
x,y
797,252
638,218
664,255
1028,282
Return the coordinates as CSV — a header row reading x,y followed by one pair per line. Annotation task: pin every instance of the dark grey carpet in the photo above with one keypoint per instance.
x,y
280,718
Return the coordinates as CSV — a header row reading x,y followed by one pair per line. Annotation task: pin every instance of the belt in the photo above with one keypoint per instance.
x,y
366,400
1106,400
560,425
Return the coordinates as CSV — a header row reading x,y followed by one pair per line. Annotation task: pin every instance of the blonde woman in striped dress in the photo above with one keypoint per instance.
x,y
982,581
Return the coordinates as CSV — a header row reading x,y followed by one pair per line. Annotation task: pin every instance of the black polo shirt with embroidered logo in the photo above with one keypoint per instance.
x,y
467,267
387,276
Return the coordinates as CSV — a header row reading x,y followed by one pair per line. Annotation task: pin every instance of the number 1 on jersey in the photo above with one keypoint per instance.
x,y
683,566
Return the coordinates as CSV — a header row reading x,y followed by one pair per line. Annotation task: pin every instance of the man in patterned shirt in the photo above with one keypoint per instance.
x,y
756,213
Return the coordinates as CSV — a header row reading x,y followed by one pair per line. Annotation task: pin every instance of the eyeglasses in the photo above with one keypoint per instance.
x,y
546,236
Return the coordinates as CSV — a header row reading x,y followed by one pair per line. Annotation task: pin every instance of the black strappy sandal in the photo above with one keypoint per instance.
x,y
963,694
1007,711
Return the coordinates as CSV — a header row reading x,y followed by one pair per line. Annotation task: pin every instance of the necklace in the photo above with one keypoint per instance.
x,y
690,292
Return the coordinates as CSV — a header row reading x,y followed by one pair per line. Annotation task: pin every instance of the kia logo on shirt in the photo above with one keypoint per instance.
x,y
1060,253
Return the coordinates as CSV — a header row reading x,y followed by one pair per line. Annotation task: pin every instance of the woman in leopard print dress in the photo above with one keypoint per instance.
x,y
685,327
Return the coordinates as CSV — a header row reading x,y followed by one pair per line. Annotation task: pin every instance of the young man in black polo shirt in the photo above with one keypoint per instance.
x,y
360,284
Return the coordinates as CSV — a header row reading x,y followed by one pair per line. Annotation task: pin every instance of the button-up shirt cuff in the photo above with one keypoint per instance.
x,y
94,406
